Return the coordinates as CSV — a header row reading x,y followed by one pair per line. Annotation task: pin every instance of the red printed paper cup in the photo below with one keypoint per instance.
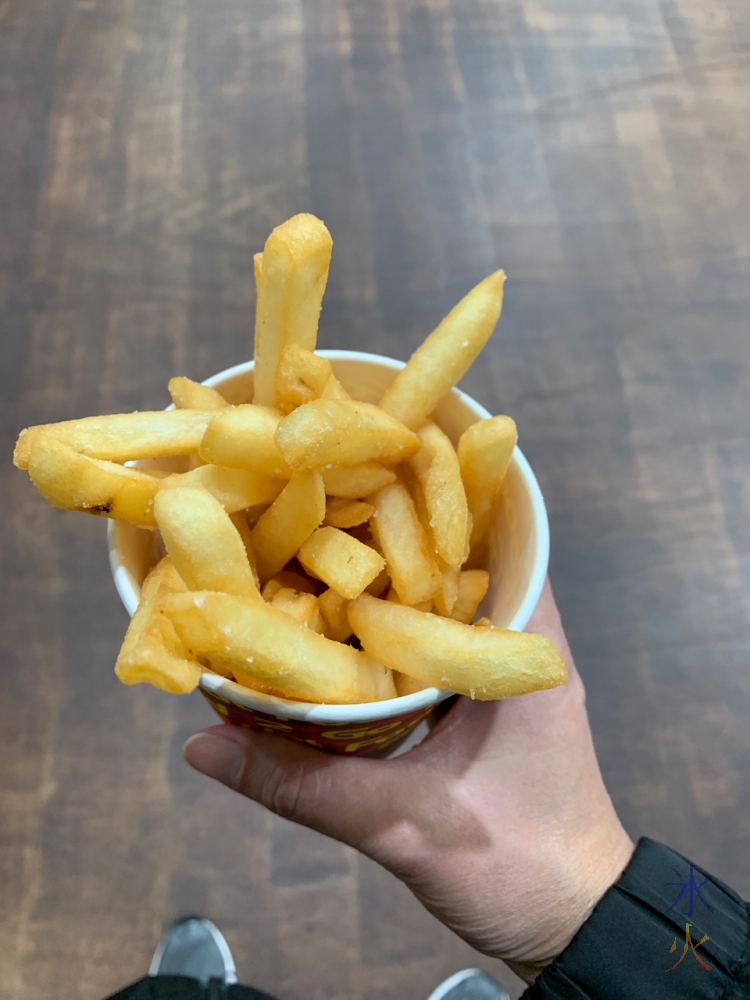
x,y
517,562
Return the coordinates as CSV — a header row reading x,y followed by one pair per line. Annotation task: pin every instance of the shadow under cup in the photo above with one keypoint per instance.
x,y
517,562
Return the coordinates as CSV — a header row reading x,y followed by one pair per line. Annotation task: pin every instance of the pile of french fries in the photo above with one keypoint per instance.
x,y
317,547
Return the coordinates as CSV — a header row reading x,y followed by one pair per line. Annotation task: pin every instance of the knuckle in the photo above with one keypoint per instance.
x,y
281,791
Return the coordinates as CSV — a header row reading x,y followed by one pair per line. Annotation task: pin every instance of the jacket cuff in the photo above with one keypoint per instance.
x,y
642,941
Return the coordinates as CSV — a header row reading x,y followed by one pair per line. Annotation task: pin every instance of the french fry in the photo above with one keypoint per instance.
x,y
403,542
342,513
338,432
189,395
288,522
302,607
333,389
243,437
355,481
392,596
437,470
258,640
74,482
484,663
484,453
301,377
446,355
291,280
445,598
204,544
296,581
406,685
235,489
152,652
341,561
381,582
333,609
472,586
239,520
121,437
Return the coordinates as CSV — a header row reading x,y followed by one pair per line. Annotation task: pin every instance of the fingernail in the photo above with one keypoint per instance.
x,y
218,756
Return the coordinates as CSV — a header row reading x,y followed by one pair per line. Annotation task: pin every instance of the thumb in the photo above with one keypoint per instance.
x,y
348,798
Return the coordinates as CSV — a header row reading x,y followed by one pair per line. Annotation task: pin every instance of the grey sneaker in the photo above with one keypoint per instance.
x,y
469,984
194,947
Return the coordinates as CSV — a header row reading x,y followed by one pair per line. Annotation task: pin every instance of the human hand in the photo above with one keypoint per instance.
x,y
499,821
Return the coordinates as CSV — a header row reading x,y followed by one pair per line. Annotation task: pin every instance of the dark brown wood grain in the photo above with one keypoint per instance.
x,y
599,153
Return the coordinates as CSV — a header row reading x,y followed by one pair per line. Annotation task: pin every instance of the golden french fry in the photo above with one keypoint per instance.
x,y
258,640
121,437
342,513
333,609
379,584
403,542
152,652
341,561
445,598
290,281
333,389
355,481
406,685
204,544
235,489
339,432
484,663
296,581
288,522
239,520
300,377
302,607
472,586
437,470
243,437
484,453
189,395
74,482
395,599
446,355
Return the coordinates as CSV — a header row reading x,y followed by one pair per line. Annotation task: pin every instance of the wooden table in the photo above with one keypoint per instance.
x,y
598,152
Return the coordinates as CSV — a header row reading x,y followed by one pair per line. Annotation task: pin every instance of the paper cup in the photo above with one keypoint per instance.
x,y
517,562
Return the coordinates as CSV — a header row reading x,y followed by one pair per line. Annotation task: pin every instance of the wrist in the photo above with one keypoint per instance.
x,y
596,864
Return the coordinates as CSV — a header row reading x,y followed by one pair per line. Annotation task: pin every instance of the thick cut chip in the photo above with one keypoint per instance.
x,y
484,453
446,355
333,609
301,377
205,546
121,437
445,598
342,513
333,389
302,607
402,540
267,645
341,561
235,489
355,481
339,432
74,482
437,470
290,283
243,437
288,522
406,685
472,586
484,663
189,395
239,520
152,652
